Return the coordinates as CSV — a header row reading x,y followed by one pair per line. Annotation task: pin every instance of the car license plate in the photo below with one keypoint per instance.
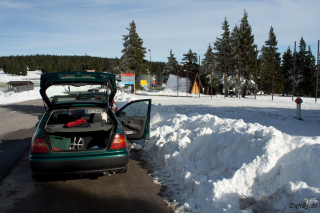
x,y
89,111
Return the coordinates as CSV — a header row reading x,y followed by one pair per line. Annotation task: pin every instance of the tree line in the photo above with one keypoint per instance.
x,y
19,65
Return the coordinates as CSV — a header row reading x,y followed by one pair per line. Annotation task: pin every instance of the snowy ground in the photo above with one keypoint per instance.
x,y
230,155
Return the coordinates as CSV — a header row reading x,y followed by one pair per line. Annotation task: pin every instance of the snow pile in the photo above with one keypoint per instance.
x,y
209,164
11,97
31,75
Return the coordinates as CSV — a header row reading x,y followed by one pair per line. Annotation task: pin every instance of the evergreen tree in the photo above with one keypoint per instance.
x,y
287,70
269,55
170,67
306,70
222,46
23,68
309,73
207,67
233,68
132,59
244,49
97,66
191,59
223,55
300,64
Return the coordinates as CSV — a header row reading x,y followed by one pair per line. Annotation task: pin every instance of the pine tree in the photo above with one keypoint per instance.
x,y
309,73
132,59
23,69
206,67
221,46
170,67
244,49
306,70
190,58
300,64
269,55
287,70
223,56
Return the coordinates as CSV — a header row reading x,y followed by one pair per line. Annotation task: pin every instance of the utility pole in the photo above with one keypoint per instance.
x,y
317,73
225,74
177,81
273,71
150,70
187,80
294,70
211,76
199,77
239,77
255,91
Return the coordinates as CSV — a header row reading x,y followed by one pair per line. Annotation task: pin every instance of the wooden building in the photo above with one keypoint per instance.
x,y
20,86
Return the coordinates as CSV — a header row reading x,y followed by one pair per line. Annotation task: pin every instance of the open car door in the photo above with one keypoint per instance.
x,y
135,119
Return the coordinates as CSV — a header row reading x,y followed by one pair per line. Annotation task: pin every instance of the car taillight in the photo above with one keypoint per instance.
x,y
39,145
119,142
114,106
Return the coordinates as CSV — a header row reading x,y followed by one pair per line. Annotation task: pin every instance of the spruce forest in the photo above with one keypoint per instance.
x,y
233,60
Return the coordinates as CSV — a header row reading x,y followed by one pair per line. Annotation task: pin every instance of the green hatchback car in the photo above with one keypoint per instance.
x,y
84,136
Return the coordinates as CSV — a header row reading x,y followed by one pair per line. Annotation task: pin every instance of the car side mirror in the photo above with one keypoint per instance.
x,y
39,117
122,114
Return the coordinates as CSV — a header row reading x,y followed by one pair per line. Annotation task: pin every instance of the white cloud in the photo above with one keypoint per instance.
x,y
11,5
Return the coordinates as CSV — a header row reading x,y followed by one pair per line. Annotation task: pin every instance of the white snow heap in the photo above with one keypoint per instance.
x,y
211,164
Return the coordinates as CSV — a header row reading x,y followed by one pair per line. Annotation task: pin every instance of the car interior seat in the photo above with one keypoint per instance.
x,y
95,118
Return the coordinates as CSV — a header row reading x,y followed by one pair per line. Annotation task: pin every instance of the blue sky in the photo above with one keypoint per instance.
x,y
96,27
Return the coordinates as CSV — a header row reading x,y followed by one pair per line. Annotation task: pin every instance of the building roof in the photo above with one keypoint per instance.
x,y
20,82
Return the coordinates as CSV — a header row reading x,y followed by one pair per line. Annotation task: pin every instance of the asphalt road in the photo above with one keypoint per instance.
x,y
133,191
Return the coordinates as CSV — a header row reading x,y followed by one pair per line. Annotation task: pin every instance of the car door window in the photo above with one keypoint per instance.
x,y
136,109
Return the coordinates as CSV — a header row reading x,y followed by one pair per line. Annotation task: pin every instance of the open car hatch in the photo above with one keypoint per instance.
x,y
75,88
